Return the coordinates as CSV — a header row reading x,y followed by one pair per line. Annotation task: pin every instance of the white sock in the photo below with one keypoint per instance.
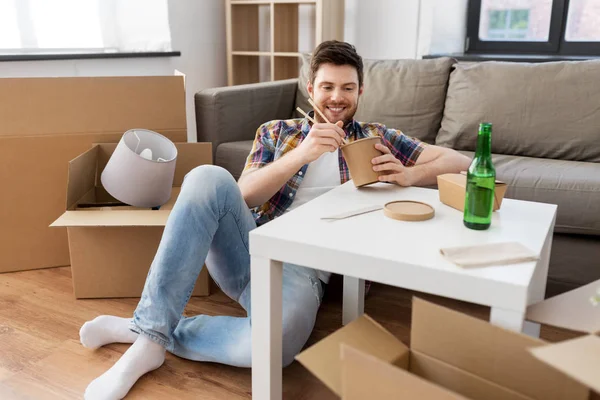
x,y
106,329
142,357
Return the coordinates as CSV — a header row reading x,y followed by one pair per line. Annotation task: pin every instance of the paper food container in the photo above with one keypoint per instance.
x,y
452,189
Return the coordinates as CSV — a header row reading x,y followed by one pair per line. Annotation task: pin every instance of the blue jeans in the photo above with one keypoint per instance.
x,y
210,223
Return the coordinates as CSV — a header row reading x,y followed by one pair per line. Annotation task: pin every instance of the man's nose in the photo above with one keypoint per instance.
x,y
336,95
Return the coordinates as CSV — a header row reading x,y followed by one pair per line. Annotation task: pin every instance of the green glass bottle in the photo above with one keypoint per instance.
x,y
481,179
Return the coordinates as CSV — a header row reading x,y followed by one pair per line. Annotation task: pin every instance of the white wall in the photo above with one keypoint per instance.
x,y
448,26
197,30
382,29
393,29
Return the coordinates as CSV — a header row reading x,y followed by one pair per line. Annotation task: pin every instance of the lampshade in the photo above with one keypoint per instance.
x,y
140,171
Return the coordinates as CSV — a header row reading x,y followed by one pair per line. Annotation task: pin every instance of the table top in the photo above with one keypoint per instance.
x,y
402,253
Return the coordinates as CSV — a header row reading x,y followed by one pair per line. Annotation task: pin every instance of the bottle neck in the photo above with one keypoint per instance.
x,y
484,145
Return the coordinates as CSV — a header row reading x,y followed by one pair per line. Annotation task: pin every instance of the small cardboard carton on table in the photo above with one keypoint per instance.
x,y
452,356
112,246
452,189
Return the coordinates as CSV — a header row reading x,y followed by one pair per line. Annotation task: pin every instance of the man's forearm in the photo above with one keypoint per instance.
x,y
260,185
451,162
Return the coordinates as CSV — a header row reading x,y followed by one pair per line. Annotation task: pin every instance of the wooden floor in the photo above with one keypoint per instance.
x,y
41,358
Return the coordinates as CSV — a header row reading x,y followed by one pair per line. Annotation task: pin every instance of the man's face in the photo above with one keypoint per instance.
x,y
335,91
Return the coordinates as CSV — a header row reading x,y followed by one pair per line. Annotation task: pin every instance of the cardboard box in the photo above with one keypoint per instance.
x,y
112,247
452,356
44,123
579,358
452,188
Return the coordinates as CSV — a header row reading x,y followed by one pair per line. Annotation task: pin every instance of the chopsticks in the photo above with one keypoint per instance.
x,y
306,115
312,103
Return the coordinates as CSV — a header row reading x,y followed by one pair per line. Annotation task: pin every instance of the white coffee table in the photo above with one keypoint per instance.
x,y
404,254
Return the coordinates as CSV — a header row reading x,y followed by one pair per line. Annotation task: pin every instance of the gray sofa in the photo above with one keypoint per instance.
x,y
546,138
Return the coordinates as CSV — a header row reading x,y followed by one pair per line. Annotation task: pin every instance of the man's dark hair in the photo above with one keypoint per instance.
x,y
338,53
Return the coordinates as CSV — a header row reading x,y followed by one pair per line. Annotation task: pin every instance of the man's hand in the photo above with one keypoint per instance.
x,y
321,138
392,168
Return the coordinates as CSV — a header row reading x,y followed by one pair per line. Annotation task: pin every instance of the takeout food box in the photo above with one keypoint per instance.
x,y
452,189
579,357
44,123
111,245
452,356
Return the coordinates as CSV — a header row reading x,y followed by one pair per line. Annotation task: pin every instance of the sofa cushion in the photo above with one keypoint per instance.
x,y
574,186
232,156
404,94
547,110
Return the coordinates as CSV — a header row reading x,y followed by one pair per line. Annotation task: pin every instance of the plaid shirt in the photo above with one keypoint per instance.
x,y
275,138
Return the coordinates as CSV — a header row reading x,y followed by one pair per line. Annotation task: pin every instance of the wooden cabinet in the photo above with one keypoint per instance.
x,y
265,38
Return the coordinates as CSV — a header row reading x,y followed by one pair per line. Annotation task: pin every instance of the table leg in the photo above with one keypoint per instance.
x,y
354,299
537,291
508,319
266,312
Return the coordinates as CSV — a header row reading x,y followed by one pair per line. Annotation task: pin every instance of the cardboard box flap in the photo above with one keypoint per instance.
x,y
458,380
493,353
571,310
105,150
188,157
46,106
579,358
367,377
364,334
82,176
113,218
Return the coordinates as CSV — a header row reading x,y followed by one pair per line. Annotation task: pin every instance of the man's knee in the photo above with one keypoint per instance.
x,y
206,175
208,181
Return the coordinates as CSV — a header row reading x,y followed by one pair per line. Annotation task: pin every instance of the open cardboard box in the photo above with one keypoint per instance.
x,y
452,356
44,123
112,246
452,189
580,357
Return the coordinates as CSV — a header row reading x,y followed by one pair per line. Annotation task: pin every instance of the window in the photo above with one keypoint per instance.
x,y
84,25
583,21
507,24
9,29
54,23
567,27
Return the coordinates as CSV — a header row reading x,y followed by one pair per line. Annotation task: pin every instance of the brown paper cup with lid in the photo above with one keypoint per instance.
x,y
358,156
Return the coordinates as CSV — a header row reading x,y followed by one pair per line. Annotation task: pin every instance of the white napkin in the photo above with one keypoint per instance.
x,y
489,254
352,213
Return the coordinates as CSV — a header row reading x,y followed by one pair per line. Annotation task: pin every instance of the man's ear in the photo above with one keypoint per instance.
x,y
361,89
309,88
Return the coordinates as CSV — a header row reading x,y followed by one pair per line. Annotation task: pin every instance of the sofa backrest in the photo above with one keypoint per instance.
x,y
546,110
404,94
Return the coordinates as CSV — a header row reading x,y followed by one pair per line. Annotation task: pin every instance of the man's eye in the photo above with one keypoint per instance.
x,y
349,89
326,87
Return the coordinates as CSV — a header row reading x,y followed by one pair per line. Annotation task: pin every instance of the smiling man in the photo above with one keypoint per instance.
x,y
291,162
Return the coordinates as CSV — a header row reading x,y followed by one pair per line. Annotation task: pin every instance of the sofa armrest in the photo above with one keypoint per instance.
x,y
234,113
